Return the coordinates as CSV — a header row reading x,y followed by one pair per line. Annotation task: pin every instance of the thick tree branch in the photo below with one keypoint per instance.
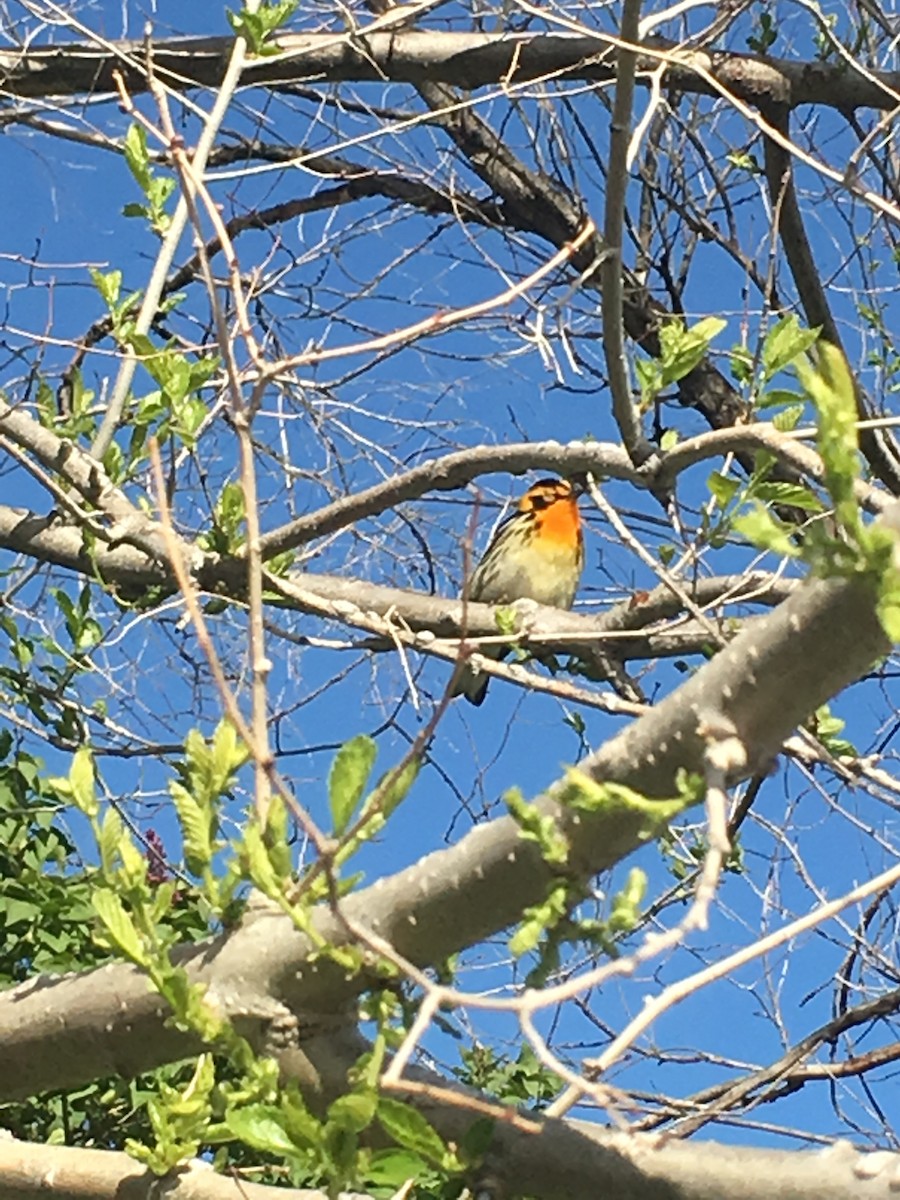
x,y
464,60
565,1160
124,568
26,1170
558,1162
69,462
456,470
450,473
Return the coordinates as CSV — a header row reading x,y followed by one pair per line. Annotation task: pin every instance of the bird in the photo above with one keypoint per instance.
x,y
537,553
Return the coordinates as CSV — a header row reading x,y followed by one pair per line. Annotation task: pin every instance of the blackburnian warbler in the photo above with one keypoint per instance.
x,y
537,554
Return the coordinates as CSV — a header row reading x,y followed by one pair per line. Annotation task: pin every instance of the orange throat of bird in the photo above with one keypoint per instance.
x,y
560,523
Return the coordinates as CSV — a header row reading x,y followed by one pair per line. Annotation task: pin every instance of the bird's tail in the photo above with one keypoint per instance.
x,y
472,684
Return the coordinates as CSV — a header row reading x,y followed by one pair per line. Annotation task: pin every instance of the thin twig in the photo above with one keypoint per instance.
x,y
193,188
440,321
689,986
624,533
164,259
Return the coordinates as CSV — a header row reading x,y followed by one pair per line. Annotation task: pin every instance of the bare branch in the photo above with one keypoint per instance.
x,y
467,60
82,1174
627,416
877,445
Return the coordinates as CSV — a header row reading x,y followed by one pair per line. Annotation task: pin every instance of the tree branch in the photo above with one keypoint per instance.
x,y
612,268
466,60
82,1174
877,445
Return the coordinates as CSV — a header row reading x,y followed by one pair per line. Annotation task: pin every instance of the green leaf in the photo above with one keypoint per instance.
x,y
392,1168
576,722
626,905
160,190
354,1111
111,831
762,530
649,374
260,1127
744,162
303,1128
393,788
539,919
827,728
682,349
227,755
258,27
173,374
410,1130
785,342
708,329
137,157
81,782
888,609
168,368
258,862
203,369
741,363
119,925
347,779
278,837
789,418
193,1101
134,863
779,396
793,494
506,618
196,828
108,286
830,386
766,34
538,827
142,345
722,488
